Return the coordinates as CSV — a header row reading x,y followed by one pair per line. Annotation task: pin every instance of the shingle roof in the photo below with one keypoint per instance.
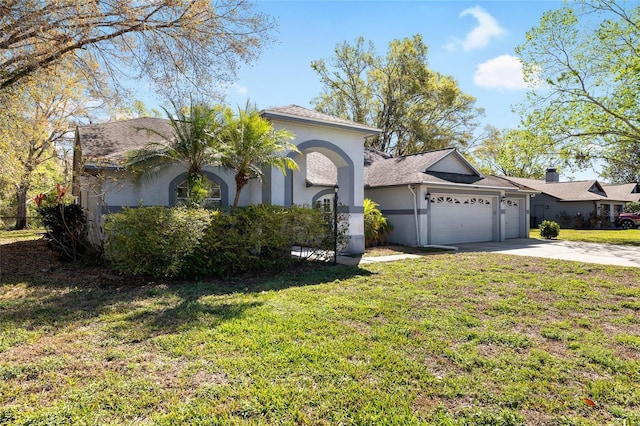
x,y
583,190
112,141
625,192
320,170
298,113
414,169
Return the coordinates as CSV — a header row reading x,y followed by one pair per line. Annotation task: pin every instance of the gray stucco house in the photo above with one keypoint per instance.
x,y
440,198
576,204
102,185
433,198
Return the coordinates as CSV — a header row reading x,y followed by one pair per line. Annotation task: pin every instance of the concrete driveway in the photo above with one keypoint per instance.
x,y
606,254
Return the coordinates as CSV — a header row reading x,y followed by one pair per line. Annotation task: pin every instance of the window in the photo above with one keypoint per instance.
x,y
617,209
212,200
325,203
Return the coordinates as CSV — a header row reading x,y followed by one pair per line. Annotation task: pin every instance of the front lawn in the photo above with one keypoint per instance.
x,y
447,339
605,236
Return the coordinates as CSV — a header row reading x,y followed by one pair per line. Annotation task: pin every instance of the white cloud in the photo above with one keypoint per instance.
x,y
241,90
481,34
503,72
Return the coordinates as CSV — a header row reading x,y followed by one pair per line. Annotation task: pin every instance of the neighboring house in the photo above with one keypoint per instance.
x,y
102,185
577,204
439,198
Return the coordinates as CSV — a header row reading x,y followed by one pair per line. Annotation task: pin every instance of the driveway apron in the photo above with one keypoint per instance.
x,y
607,254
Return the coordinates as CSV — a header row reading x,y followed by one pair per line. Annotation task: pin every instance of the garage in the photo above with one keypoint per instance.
x,y
456,218
513,217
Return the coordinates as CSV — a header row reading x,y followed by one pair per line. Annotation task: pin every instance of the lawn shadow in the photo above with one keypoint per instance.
x,y
39,292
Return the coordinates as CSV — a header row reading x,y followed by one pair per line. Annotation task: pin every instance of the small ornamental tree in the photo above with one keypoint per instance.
x,y
66,225
376,226
249,142
549,229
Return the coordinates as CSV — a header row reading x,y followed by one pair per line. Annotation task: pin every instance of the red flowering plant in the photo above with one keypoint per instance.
x,y
66,223
49,198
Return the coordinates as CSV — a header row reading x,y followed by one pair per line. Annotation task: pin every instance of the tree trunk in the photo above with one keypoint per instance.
x,y
241,180
21,216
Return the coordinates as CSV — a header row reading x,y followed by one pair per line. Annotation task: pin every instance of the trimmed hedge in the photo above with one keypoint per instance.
x,y
192,243
154,241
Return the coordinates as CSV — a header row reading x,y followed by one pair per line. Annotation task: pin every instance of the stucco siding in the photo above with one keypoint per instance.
x,y
544,207
396,204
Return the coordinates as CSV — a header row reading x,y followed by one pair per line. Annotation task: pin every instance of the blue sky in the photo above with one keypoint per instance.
x,y
471,41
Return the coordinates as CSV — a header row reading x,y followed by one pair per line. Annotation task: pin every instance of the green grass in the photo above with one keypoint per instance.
x,y
605,236
448,339
25,235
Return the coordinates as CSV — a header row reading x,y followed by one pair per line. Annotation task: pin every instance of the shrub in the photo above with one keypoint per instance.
x,y
154,241
632,207
549,229
252,239
191,243
376,226
66,226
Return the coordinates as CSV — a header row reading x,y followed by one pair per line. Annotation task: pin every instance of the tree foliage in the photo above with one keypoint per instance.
x,y
585,58
36,120
416,108
172,42
194,143
205,135
515,153
249,142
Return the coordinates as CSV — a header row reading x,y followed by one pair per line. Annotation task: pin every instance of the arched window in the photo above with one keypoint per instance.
x,y
212,200
325,203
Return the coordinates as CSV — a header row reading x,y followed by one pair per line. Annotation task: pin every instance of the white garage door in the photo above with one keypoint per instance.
x,y
461,218
513,217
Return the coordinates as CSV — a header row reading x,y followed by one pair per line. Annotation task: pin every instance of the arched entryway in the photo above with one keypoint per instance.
x,y
348,176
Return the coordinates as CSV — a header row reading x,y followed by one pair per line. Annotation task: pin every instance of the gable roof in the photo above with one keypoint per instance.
x,y
423,169
297,113
624,192
583,190
112,141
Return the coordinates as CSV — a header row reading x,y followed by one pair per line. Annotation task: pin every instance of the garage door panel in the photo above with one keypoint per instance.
x,y
461,218
513,214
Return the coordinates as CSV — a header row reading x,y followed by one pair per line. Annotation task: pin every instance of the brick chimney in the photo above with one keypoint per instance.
x,y
552,175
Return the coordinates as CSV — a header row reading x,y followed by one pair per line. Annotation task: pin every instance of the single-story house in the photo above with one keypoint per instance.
x,y
102,185
433,198
576,204
440,198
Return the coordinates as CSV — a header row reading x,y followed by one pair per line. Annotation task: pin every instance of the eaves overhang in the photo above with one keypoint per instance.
x,y
369,131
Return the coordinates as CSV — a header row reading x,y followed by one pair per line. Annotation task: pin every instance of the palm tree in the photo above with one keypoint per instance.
x,y
195,143
250,142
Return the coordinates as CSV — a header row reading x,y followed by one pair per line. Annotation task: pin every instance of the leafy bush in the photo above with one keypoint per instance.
x,y
376,226
189,243
66,226
549,229
155,241
632,207
254,238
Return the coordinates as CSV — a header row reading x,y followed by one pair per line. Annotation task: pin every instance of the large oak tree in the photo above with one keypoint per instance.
x,y
515,153
584,59
416,108
174,43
